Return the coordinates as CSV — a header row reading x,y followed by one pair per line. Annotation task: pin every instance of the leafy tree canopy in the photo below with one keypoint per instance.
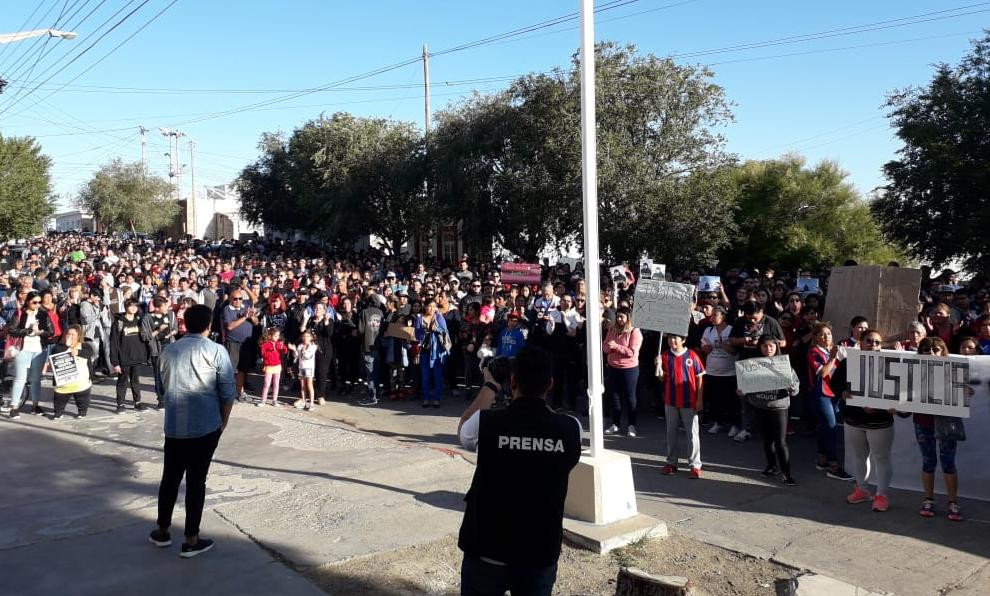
x,y
25,188
123,196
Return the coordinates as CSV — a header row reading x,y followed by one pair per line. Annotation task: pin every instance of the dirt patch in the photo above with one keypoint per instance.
x,y
434,568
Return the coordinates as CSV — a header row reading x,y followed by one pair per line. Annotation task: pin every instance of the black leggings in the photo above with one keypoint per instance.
x,y
721,399
81,399
620,384
322,371
773,428
128,372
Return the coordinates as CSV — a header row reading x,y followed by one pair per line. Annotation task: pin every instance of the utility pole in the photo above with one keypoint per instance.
x,y
426,87
144,158
191,205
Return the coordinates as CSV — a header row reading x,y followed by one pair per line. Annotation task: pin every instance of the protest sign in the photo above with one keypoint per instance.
x,y
886,296
646,268
662,306
755,375
64,368
709,283
909,382
659,271
617,274
401,331
807,285
572,262
521,273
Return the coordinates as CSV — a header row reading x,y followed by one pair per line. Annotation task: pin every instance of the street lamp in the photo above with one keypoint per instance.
x,y
12,37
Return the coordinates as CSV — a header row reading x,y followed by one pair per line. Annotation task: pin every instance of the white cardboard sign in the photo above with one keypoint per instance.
x,y
663,306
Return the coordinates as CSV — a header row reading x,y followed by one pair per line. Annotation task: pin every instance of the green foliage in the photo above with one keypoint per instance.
x,y
25,188
509,165
339,178
123,196
936,202
791,216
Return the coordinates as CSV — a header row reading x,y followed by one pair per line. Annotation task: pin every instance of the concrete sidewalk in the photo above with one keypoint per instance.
x,y
288,490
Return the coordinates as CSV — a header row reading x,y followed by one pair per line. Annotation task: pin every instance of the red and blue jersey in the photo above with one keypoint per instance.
x,y
681,377
817,358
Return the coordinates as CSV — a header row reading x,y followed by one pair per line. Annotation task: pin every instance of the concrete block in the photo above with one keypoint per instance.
x,y
811,584
600,489
602,538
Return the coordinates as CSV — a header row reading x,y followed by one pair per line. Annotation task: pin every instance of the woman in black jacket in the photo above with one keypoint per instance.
x,y
320,325
128,352
30,331
347,347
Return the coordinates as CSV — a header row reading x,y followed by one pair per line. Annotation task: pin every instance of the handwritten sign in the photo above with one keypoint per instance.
x,y
663,306
521,273
401,331
64,368
709,283
755,375
910,382
645,268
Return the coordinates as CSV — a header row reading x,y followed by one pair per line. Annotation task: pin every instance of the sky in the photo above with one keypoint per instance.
x,y
803,77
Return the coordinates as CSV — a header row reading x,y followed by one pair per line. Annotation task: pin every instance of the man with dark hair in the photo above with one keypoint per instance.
x,y
199,394
525,456
158,327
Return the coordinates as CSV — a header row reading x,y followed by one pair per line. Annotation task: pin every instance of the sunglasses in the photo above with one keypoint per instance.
x,y
35,302
236,299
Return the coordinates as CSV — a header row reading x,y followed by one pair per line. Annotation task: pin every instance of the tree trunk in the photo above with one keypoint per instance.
x,y
635,582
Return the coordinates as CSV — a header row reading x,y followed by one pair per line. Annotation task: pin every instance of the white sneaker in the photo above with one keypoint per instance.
x,y
715,429
734,431
631,432
742,436
612,430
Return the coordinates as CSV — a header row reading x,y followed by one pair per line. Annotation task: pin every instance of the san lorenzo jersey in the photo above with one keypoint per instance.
x,y
681,374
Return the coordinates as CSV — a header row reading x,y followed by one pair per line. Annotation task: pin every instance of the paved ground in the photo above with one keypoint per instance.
x,y
310,489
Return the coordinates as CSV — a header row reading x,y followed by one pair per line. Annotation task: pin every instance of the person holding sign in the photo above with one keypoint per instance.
x,y
770,408
79,385
935,449
621,347
823,358
869,433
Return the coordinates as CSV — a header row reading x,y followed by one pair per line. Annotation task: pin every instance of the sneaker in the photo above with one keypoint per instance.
x,y
788,481
56,417
742,436
202,545
955,513
159,538
298,404
839,474
821,467
436,404
668,470
140,407
858,495
880,503
259,403
734,431
160,406
37,410
695,473
715,428
321,401
120,410
770,471
14,414
631,432
927,508
80,416
612,430
5,408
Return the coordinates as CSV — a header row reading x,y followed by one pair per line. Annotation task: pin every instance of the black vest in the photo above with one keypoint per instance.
x,y
515,506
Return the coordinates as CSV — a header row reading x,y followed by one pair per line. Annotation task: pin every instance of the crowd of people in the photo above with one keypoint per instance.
x,y
317,323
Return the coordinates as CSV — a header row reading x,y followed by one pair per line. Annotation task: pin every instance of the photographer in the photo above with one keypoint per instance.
x,y
525,456
496,373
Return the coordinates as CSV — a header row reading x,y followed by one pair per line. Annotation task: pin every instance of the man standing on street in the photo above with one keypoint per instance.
x,y
199,394
238,323
158,327
513,522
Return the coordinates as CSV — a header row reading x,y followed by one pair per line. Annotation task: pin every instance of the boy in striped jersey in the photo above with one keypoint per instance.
x,y
681,372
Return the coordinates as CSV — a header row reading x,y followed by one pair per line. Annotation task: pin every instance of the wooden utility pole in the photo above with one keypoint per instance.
x,y
191,205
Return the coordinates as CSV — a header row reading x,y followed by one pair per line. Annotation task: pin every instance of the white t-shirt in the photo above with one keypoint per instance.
x,y
720,362
32,343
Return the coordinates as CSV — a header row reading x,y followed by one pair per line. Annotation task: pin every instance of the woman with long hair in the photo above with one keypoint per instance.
x,y
434,344
823,358
936,450
79,388
30,331
770,410
621,346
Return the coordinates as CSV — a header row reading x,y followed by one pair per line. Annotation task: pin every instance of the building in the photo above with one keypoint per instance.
x,y
214,214
74,221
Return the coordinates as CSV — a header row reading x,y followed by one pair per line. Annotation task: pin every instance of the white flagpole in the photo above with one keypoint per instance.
x,y
589,184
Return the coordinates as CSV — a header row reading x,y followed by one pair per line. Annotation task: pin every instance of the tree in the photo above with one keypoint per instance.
x,y
339,178
25,188
938,192
517,155
791,216
123,196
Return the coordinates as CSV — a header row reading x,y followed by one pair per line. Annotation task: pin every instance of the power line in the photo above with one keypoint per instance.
x,y
36,41
22,27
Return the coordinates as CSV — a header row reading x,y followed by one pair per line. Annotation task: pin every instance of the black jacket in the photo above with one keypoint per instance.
x,y
126,346
18,326
515,506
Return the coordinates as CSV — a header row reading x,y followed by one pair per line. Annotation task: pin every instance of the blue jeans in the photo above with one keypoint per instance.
x,y
479,578
827,431
371,373
432,376
27,371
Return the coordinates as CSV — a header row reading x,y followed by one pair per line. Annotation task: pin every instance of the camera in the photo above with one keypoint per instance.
x,y
500,367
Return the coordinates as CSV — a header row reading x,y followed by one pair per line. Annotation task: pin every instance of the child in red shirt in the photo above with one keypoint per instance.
x,y
681,372
272,351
